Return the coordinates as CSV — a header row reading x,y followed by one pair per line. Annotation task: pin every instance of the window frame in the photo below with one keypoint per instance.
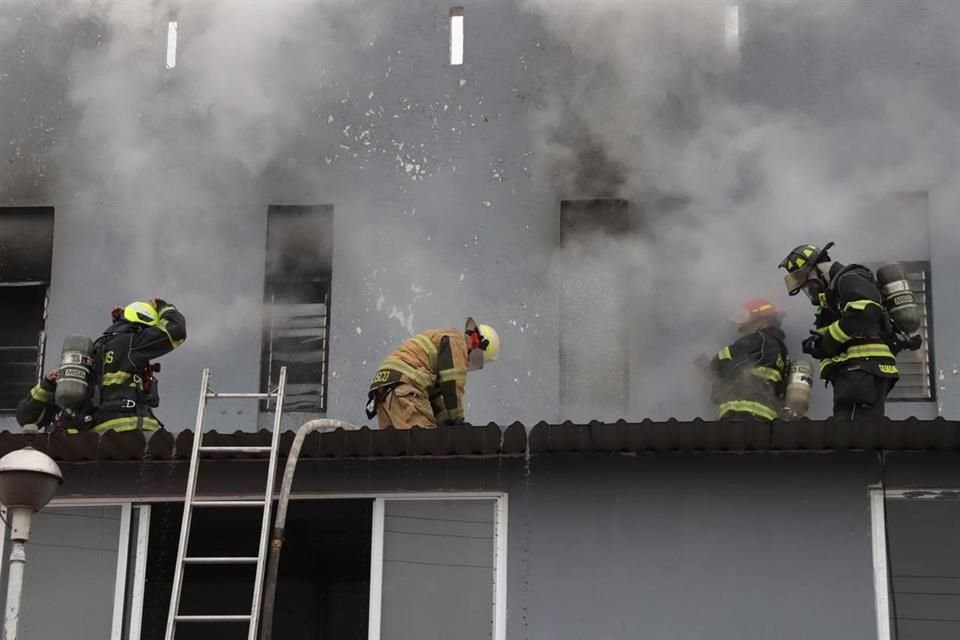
x,y
879,496
271,284
129,593
500,526
120,592
41,335
585,218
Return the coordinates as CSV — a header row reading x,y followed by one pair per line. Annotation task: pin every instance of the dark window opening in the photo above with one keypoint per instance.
x,y
323,589
296,298
26,252
594,359
923,567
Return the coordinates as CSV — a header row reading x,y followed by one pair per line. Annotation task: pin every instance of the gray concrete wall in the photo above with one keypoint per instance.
x,y
445,186
657,546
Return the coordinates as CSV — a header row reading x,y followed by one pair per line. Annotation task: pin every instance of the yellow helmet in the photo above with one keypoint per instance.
x,y
488,333
488,344
140,312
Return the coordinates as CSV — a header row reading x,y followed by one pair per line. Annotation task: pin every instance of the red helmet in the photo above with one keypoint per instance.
x,y
756,309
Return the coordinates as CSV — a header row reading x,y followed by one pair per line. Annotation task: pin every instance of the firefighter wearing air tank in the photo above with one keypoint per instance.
x,y
749,376
856,341
422,383
108,385
141,331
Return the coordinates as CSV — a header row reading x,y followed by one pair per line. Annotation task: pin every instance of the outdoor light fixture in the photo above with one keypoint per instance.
x,y
28,481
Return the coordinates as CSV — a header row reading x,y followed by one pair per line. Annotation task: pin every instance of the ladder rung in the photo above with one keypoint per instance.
x,y
220,560
234,449
250,396
228,503
226,618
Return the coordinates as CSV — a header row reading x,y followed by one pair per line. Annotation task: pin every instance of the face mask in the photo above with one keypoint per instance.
x,y
475,360
812,289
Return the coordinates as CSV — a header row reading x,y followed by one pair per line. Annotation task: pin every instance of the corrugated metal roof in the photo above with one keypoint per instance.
x,y
516,440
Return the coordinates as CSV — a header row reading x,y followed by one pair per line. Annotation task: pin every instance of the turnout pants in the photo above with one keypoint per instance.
x,y
405,406
859,394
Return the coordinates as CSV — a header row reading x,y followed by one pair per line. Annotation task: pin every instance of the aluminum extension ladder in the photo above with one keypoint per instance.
x,y
191,501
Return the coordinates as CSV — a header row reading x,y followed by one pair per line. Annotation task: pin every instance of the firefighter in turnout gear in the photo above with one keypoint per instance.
x,y
422,383
141,331
749,376
854,338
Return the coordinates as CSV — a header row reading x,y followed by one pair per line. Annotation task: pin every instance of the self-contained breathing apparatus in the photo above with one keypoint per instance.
x,y
901,306
78,391
902,317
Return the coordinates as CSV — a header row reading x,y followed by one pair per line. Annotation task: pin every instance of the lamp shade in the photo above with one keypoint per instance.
x,y
28,479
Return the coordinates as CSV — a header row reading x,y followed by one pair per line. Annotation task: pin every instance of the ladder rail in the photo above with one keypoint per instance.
x,y
190,501
187,509
267,509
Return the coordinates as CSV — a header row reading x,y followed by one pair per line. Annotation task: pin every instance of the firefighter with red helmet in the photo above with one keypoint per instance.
x,y
749,376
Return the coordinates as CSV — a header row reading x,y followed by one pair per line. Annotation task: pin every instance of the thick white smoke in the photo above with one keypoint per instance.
x,y
178,154
768,145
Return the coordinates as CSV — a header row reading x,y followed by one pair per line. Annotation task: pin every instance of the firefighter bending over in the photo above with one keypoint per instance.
x,y
124,393
749,376
422,383
853,340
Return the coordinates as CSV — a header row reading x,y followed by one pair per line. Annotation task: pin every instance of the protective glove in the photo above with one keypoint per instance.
x,y
811,345
820,346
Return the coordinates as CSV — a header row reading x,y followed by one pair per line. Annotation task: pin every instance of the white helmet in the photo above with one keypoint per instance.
x,y
489,348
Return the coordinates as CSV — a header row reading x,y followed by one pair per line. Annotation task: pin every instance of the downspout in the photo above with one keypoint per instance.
x,y
276,537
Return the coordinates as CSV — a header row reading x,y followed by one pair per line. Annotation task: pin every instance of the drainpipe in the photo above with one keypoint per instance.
x,y
276,537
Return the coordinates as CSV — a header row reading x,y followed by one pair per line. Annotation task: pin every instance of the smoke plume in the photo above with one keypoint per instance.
x,y
769,137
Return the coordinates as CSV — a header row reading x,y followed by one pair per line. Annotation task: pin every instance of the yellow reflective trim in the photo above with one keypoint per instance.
x,y
862,351
860,305
428,347
127,423
748,406
724,354
767,373
808,251
837,333
800,262
451,374
40,394
422,379
162,325
115,378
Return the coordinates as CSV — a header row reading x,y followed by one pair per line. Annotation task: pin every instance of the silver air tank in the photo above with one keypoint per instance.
x,y
898,298
76,372
799,390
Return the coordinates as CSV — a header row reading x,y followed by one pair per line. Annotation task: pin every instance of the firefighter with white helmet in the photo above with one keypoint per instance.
x,y
422,383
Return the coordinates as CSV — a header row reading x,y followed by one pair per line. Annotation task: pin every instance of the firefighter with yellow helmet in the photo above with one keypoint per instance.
x,y
854,339
123,393
422,383
141,331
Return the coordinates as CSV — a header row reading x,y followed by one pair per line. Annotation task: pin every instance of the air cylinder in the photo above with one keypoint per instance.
x,y
898,298
76,373
799,389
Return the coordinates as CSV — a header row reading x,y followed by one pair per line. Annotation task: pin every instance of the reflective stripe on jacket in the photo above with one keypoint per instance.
x,y
434,361
854,323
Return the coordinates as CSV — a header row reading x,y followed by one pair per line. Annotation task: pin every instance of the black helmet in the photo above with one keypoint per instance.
x,y
800,262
